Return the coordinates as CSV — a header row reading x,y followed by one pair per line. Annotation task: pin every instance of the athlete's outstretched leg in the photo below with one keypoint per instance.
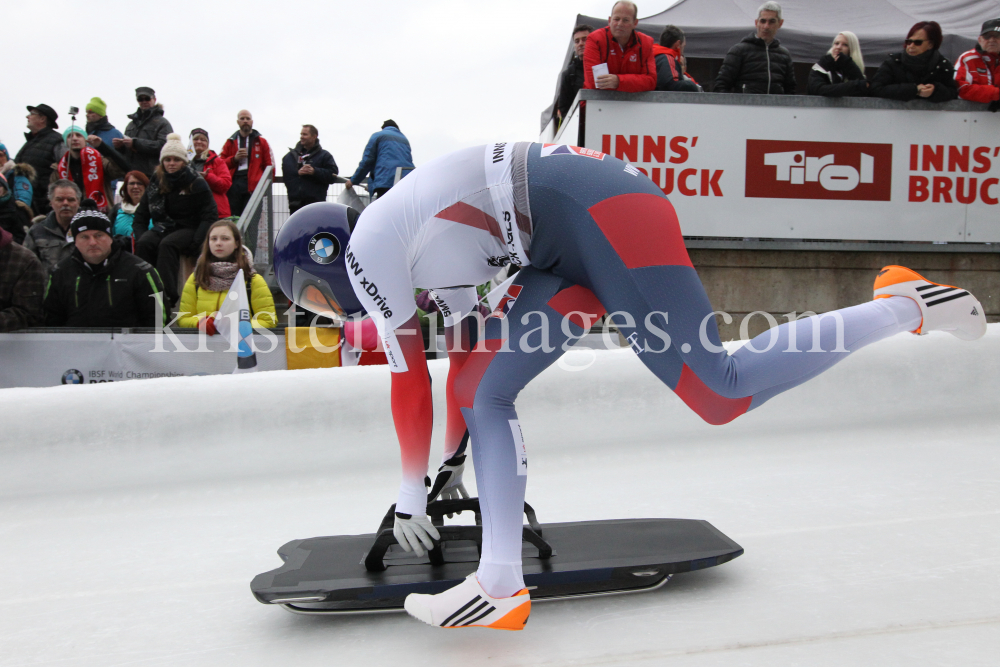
x,y
522,343
603,226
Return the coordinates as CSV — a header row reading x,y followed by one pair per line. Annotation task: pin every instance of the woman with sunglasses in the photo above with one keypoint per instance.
x,y
920,71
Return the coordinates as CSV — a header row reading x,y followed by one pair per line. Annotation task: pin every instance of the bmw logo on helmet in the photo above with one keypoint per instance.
x,y
324,248
309,252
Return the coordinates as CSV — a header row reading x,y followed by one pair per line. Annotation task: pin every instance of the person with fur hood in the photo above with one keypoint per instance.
x,y
222,256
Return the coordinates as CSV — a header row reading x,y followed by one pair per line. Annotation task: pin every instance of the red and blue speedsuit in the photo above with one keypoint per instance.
x,y
592,235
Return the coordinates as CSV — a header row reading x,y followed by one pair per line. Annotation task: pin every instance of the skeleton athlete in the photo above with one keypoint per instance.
x,y
592,236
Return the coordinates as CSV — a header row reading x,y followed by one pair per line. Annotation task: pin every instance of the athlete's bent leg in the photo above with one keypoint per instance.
x,y
517,347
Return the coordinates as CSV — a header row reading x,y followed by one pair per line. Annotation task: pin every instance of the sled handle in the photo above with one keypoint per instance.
x,y
374,559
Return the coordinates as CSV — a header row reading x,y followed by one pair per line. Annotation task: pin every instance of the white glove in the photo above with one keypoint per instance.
x,y
415,533
448,483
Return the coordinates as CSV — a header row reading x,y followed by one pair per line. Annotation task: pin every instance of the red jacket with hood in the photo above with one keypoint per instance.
x,y
634,65
217,175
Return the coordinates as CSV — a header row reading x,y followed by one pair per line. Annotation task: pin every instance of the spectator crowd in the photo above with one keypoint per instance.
x,y
95,223
619,57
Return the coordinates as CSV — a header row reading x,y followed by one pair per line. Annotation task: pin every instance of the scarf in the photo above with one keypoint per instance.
x,y
919,66
181,179
98,125
128,208
93,175
222,274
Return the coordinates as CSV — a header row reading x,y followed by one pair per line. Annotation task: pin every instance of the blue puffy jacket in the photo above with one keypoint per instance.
x,y
386,150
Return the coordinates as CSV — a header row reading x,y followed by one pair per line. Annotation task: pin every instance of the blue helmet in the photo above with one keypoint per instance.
x,y
309,259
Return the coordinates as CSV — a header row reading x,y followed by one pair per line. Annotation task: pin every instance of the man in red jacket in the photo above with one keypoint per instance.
x,y
977,72
628,54
246,153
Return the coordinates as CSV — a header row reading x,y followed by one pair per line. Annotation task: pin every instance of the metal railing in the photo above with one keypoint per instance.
x,y
279,202
257,222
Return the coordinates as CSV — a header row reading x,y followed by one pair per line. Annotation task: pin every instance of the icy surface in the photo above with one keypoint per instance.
x,y
134,515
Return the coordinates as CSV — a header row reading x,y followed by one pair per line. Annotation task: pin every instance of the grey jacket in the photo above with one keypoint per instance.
x,y
48,241
148,130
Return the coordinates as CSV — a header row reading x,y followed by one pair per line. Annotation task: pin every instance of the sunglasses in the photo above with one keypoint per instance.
x,y
143,98
914,42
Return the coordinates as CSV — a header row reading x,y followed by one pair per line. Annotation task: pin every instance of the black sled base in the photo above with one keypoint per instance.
x,y
371,573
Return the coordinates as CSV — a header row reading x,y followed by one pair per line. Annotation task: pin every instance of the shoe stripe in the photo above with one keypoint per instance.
x,y
926,287
943,291
481,616
484,605
947,298
460,611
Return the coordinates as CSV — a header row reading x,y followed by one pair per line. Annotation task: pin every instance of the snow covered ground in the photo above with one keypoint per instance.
x,y
134,515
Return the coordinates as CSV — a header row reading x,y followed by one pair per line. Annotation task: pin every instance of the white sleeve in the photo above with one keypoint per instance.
x,y
379,269
455,303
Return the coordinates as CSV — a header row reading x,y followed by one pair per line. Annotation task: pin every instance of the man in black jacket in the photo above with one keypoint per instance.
x,y
145,134
101,284
571,79
42,149
308,170
759,64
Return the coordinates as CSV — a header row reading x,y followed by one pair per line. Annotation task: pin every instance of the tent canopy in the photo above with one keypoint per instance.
x,y
713,26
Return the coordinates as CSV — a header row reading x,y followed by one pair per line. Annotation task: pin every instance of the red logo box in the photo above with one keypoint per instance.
x,y
819,170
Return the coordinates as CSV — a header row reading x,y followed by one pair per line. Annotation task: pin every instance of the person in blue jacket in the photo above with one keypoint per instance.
x,y
387,149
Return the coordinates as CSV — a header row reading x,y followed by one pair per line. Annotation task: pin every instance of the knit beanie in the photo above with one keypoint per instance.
x,y
191,153
88,218
97,105
174,148
73,128
390,123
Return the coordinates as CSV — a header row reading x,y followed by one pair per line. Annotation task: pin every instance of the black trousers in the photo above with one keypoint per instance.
x,y
296,204
239,193
164,249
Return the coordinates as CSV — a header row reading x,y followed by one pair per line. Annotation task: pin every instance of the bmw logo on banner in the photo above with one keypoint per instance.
x,y
324,248
72,376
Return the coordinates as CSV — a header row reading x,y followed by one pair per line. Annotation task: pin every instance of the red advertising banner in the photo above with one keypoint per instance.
x,y
818,170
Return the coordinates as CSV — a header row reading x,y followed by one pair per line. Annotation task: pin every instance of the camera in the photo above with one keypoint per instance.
x,y
74,111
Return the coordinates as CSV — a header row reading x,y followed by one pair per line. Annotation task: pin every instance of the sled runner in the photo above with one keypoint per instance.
x,y
372,574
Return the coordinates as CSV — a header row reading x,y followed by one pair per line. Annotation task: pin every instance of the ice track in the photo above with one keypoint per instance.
x,y
134,515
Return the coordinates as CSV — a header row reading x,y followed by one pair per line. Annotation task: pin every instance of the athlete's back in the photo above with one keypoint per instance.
x,y
437,228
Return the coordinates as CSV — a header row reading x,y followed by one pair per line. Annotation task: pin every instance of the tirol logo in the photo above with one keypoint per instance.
x,y
324,248
564,149
507,302
819,170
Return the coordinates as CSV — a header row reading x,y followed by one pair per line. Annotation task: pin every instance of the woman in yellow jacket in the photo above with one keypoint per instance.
x,y
222,256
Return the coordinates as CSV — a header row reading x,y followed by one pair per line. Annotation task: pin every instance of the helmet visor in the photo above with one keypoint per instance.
x,y
314,294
